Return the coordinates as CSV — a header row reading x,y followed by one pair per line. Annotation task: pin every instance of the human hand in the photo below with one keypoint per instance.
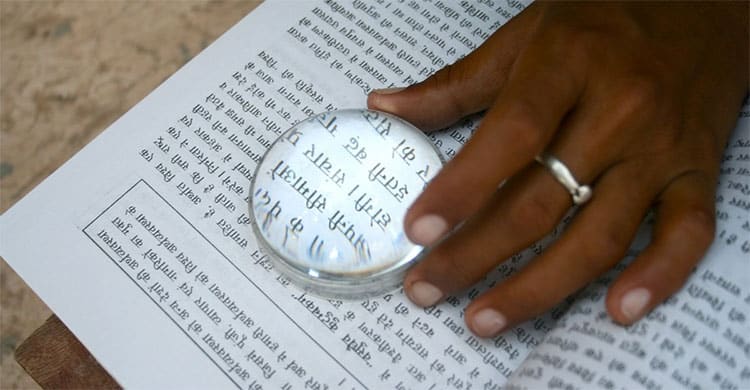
x,y
637,99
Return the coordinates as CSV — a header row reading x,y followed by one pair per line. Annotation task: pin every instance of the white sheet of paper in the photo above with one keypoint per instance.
x,y
141,243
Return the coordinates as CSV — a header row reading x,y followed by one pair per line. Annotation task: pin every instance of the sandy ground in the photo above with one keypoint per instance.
x,y
67,70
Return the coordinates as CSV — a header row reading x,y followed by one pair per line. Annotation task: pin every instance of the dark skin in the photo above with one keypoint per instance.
x,y
637,99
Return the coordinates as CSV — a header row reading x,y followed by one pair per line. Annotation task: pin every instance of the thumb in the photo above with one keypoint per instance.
x,y
440,100
468,86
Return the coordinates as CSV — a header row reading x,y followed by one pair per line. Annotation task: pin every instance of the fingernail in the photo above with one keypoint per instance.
x,y
488,322
427,229
388,91
634,303
424,294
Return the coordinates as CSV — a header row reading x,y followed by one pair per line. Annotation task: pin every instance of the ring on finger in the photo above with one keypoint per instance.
x,y
580,193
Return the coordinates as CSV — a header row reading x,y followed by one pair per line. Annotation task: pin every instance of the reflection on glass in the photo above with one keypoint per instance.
x,y
329,198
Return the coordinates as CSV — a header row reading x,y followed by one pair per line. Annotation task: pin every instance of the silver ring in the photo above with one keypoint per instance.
x,y
580,193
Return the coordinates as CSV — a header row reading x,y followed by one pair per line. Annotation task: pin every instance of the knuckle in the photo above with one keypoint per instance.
x,y
444,77
696,225
577,41
584,43
449,79
639,95
533,216
606,246
457,269
526,133
530,139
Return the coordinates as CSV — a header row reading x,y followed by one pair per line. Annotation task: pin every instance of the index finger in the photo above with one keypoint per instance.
x,y
539,93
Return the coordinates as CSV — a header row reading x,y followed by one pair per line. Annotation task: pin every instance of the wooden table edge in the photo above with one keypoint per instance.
x,y
55,359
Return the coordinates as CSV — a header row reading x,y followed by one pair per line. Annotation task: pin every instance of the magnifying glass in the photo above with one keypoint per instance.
x,y
329,199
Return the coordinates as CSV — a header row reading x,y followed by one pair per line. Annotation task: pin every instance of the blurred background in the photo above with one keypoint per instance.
x,y
67,70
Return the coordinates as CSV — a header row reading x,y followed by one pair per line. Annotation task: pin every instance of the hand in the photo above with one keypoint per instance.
x,y
638,100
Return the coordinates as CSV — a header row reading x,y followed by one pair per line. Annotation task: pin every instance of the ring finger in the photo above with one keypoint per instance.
x,y
526,208
597,238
